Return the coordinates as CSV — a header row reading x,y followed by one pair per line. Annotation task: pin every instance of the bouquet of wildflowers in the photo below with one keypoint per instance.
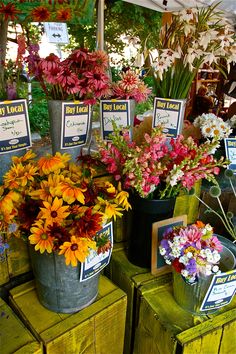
x,y
81,76
192,250
193,38
59,206
158,167
212,127
130,86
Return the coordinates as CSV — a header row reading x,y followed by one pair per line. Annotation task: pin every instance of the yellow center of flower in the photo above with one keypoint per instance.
x,y
1,217
44,236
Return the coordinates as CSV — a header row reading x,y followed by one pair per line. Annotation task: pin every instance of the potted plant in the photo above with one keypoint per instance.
x,y
120,105
154,171
80,77
194,37
195,254
60,208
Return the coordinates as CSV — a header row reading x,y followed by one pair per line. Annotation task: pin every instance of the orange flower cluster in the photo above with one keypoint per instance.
x,y
58,205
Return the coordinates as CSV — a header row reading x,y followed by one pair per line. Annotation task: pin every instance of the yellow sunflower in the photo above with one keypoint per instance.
x,y
29,155
19,176
49,163
76,250
54,212
122,199
47,189
70,192
40,238
110,210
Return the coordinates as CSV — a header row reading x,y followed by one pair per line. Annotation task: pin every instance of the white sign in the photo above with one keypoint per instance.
x,y
56,32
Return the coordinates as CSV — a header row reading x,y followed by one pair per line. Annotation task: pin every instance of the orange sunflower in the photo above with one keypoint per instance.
x,y
54,212
76,250
63,14
19,176
40,14
40,238
47,188
29,155
70,192
49,163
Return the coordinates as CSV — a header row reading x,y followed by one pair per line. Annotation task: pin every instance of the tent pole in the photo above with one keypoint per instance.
x,y
100,25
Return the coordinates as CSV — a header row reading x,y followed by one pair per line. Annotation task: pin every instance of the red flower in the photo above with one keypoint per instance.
x,y
88,225
177,265
9,11
40,14
63,14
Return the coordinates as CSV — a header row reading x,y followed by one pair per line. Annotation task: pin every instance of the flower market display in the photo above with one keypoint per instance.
x,y
58,205
81,76
191,250
194,37
158,167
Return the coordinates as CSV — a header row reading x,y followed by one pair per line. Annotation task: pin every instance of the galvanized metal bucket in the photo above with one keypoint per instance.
x,y
190,297
58,286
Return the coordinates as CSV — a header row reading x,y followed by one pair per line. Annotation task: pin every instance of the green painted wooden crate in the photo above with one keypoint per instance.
x,y
99,328
163,327
129,278
14,336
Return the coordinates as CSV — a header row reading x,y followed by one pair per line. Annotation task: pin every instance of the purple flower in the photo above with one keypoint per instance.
x,y
191,267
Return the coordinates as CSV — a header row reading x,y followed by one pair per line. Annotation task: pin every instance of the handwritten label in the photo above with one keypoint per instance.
x,y
117,111
75,124
230,151
14,126
169,113
94,263
221,291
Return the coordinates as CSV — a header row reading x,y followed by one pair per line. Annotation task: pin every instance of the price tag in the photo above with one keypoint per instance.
x,y
14,126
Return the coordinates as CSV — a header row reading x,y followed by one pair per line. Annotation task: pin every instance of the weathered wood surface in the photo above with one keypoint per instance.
x,y
90,331
14,336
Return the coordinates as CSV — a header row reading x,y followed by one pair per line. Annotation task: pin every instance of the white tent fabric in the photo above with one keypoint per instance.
x,y
229,6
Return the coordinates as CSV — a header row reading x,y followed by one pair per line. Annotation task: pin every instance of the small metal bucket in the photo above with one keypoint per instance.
x,y
58,286
190,297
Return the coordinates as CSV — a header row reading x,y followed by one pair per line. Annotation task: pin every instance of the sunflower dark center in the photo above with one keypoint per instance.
x,y
44,236
53,214
74,247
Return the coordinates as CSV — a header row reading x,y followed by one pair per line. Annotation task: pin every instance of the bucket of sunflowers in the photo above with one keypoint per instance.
x,y
65,214
196,254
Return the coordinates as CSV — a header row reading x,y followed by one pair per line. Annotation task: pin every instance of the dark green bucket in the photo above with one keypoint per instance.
x,y
58,286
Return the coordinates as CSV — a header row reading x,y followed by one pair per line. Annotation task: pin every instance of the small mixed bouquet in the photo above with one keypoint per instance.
x,y
192,250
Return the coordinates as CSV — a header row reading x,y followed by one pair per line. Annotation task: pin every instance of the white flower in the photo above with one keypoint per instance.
x,y
203,253
215,269
175,252
184,260
184,272
168,261
162,251
189,255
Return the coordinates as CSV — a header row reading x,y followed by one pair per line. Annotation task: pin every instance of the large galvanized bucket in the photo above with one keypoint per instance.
x,y
190,297
58,286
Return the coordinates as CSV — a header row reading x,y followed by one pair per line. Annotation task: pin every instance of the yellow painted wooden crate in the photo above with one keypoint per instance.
x,y
164,327
15,261
129,278
188,204
97,329
14,336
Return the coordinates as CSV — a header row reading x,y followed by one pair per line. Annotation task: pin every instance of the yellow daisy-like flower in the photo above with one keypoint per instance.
x,y
76,250
74,172
70,192
40,238
48,188
122,199
19,176
29,155
49,163
110,210
54,212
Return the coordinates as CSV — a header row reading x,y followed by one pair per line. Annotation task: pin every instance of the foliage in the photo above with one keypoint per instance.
x,y
38,111
58,205
194,37
158,167
192,250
